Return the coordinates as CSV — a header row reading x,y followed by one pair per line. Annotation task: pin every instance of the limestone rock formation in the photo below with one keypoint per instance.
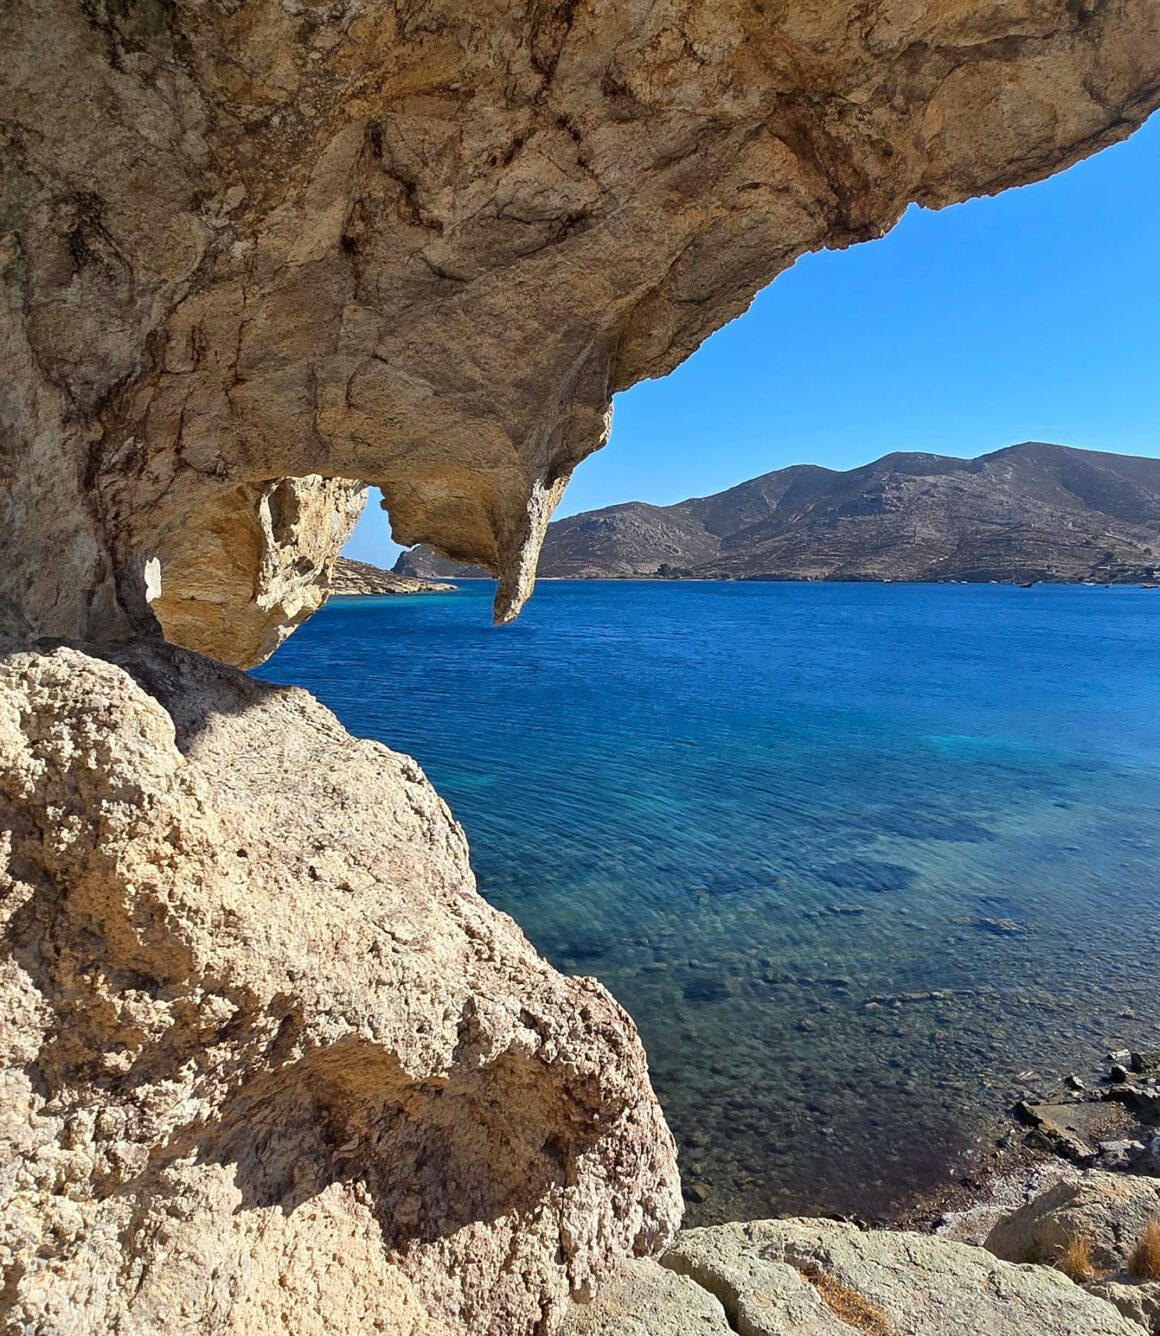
x,y
647,1299
1109,1214
253,569
421,244
816,1276
267,1060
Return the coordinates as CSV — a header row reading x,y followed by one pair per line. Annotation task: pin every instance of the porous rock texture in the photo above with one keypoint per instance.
x,y
775,1277
1107,1212
420,244
647,1299
269,1062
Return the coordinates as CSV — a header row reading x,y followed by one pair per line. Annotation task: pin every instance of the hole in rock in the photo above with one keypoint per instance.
x,y
855,856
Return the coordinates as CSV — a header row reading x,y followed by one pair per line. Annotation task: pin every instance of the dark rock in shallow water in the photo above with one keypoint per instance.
x,y
868,874
593,946
1003,927
707,988
916,825
725,881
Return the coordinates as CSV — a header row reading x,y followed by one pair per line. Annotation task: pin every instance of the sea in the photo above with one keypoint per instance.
x,y
865,862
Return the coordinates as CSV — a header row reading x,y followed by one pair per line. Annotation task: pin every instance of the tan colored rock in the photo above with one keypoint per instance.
x,y
820,1278
360,577
422,245
269,1062
1137,1300
1109,1212
647,1299
253,567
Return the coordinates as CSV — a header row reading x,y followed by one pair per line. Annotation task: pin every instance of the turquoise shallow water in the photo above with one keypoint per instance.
x,y
853,856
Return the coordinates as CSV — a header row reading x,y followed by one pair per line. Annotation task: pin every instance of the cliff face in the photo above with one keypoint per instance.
x,y
1033,511
420,245
268,1061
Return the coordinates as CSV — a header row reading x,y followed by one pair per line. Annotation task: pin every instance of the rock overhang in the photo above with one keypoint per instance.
x,y
421,248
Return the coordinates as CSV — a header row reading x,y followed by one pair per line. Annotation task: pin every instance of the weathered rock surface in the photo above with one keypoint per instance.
x,y
815,1276
818,1278
269,1063
1031,512
421,245
647,1299
1108,1212
253,569
360,577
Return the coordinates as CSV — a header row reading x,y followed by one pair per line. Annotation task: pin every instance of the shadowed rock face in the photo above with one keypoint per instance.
x,y
420,245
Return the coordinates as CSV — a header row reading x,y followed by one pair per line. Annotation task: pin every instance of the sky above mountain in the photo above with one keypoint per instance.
x,y
1027,316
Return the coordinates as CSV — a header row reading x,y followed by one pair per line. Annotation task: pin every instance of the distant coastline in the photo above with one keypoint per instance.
x,y
351,579
1028,514
1128,581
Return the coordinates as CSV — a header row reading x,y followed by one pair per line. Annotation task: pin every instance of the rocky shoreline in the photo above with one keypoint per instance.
x,y
1050,1233
1109,1123
352,578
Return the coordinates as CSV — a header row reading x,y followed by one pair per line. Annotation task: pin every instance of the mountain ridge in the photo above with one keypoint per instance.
x,y
1031,511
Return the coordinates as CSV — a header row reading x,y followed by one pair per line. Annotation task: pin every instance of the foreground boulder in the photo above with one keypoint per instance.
x,y
647,1299
269,1061
1105,1216
819,1278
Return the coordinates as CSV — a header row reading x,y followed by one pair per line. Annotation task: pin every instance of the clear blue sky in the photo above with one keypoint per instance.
x,y
1034,315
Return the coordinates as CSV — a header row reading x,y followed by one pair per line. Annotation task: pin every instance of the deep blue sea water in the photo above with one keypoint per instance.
x,y
855,857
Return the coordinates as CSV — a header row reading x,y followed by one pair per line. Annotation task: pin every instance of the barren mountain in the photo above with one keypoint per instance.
x,y
1029,512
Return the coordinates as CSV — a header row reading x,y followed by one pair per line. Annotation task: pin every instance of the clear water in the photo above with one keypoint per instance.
x,y
775,818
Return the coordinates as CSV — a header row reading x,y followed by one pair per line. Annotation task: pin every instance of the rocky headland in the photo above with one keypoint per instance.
x,y
1030,512
359,577
269,1063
